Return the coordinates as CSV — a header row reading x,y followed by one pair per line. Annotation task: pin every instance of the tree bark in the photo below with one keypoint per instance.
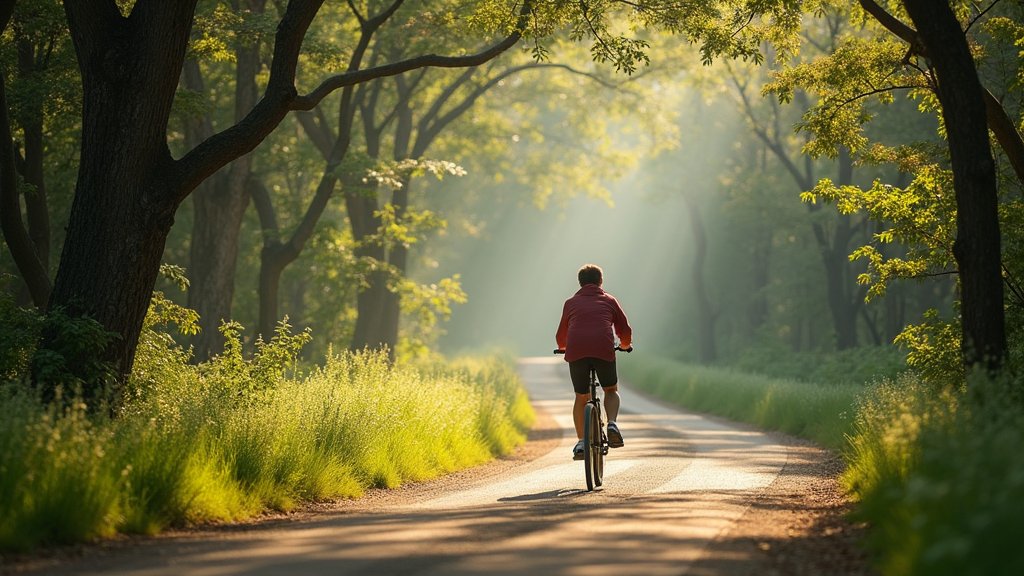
x,y
219,205
126,192
977,246
272,265
277,255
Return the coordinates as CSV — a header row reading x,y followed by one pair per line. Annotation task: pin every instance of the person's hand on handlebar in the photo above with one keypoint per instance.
x,y
618,348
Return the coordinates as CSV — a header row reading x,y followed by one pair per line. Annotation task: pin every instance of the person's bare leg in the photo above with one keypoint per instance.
x,y
611,402
577,413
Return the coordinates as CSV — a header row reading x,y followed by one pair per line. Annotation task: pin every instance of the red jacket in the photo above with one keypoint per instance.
x,y
588,319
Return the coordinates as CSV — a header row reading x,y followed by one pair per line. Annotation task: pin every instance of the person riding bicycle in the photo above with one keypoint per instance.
x,y
591,319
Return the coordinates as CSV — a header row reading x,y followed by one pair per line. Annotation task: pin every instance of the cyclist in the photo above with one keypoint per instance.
x,y
590,321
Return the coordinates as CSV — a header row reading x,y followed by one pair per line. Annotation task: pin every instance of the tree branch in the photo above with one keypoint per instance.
x,y
894,25
429,60
998,121
281,96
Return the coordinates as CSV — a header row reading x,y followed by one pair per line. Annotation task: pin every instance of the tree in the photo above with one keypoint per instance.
x,y
706,313
220,202
977,247
129,186
845,299
862,68
38,100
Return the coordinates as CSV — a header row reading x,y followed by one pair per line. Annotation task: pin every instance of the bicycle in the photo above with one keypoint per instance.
x,y
595,440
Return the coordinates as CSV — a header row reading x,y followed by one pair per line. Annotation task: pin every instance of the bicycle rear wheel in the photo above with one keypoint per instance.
x,y
593,460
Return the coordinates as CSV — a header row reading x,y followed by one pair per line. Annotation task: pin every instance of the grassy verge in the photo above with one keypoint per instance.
x,y
822,413
936,473
939,477
205,446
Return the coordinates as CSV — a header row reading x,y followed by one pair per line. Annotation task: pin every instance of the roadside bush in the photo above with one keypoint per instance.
x,y
939,477
235,436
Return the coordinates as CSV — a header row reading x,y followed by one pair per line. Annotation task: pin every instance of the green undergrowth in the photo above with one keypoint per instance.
x,y
234,437
819,412
939,478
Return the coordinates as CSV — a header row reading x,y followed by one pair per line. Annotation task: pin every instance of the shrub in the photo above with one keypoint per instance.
x,y
938,477
236,436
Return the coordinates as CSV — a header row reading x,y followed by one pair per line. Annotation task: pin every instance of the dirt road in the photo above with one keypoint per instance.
x,y
686,495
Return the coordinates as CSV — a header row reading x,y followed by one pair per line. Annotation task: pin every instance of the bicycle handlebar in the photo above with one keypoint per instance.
x,y
617,349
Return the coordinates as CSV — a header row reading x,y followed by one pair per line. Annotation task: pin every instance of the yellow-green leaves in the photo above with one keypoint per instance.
x,y
915,224
857,72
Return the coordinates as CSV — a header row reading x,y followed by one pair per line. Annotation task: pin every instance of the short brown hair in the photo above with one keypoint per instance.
x,y
590,274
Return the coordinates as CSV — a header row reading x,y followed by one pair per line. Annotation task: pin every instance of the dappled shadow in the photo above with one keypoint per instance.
x,y
531,534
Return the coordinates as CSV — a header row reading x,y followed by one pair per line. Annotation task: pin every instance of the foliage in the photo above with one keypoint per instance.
x,y
19,330
272,361
938,478
920,217
76,356
915,225
730,28
426,306
185,451
933,349
858,72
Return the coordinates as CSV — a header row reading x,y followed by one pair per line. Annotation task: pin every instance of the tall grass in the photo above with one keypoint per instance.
x,y
196,448
939,477
820,412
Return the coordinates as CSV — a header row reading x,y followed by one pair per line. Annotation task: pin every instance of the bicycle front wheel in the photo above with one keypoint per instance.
x,y
593,460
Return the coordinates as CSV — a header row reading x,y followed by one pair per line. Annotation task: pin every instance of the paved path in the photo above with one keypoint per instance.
x,y
680,480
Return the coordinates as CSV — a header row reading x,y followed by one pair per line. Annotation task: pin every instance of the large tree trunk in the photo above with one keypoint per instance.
x,y
398,258
273,261
977,246
277,255
126,194
371,298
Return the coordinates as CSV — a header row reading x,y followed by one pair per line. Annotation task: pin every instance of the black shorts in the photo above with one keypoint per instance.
x,y
579,371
